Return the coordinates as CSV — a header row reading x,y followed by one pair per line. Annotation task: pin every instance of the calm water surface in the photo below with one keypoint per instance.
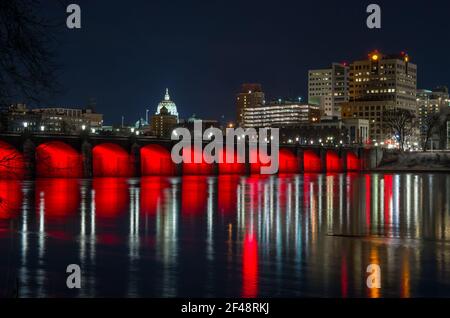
x,y
309,235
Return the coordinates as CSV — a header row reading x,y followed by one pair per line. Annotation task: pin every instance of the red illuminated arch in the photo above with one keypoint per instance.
x,y
353,162
192,168
333,160
230,168
156,160
11,162
311,161
288,162
111,160
56,159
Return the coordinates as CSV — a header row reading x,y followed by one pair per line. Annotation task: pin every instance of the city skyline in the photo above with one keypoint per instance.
x,y
205,66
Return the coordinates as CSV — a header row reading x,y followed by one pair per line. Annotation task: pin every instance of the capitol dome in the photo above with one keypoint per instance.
x,y
168,104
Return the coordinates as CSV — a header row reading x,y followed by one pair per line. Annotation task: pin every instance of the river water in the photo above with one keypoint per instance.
x,y
308,235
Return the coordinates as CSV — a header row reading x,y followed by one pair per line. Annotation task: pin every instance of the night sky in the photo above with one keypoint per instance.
x,y
128,52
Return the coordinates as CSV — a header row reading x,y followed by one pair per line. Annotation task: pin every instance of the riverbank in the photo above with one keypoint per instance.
x,y
415,162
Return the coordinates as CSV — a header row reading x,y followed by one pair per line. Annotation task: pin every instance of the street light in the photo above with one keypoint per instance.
x,y
42,128
83,127
25,124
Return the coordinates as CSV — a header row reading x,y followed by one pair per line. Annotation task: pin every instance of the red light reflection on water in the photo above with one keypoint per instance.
x,y
152,194
111,196
194,195
10,198
250,267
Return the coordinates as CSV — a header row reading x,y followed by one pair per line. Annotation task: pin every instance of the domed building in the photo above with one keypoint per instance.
x,y
168,104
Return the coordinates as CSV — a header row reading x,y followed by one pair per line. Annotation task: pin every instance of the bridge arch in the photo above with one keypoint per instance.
x,y
353,162
226,168
156,161
288,162
333,161
111,160
311,161
193,168
56,159
12,164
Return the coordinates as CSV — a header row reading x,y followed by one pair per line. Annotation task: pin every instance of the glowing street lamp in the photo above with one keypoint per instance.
x,y
42,128
83,127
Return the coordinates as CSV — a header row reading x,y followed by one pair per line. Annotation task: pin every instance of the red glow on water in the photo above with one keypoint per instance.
x,y
288,162
12,165
256,160
192,168
368,198
10,198
344,277
311,161
227,193
250,267
194,195
111,160
333,162
153,194
59,198
111,196
387,197
156,160
231,168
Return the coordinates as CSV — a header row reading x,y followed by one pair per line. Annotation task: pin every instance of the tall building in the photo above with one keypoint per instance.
x,y
430,102
280,114
378,84
250,96
168,104
328,88
162,123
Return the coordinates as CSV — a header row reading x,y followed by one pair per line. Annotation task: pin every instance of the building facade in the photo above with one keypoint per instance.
x,y
430,102
19,118
250,96
328,88
163,123
279,114
377,85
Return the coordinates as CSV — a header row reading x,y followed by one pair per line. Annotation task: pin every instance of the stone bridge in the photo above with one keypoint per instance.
x,y
88,155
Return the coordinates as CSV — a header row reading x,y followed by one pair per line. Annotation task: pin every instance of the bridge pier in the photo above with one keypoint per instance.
x,y
300,161
135,157
86,155
29,158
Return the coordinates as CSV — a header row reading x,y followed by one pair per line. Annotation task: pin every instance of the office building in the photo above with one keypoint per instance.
x,y
328,88
280,114
377,85
250,96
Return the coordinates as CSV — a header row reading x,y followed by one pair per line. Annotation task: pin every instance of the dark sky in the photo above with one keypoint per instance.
x,y
128,52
